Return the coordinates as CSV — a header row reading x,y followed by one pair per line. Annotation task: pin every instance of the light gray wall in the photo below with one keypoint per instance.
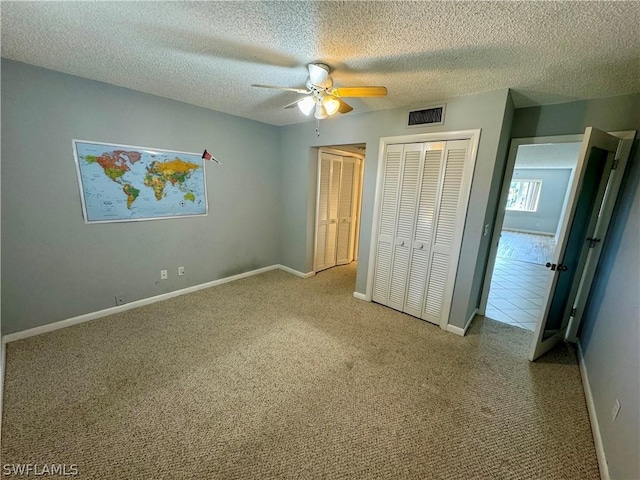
x,y
480,269
548,155
610,333
298,177
56,267
552,193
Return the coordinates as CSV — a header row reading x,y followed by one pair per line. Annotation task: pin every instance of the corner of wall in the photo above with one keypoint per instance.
x,y
493,198
593,417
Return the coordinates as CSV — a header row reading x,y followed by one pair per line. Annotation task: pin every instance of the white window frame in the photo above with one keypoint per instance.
x,y
536,201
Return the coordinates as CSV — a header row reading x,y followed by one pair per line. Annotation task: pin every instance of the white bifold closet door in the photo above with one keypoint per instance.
x,y
424,196
337,180
346,211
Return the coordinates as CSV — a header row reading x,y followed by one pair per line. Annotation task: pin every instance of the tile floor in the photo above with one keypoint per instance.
x,y
516,292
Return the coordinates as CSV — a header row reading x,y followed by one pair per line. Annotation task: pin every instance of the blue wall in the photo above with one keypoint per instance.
x,y
56,267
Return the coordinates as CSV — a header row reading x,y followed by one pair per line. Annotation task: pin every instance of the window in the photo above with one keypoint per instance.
x,y
524,195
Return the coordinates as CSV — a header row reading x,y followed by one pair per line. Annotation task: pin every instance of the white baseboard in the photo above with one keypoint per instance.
x,y
296,272
50,327
360,296
3,362
533,232
593,418
462,331
456,330
469,320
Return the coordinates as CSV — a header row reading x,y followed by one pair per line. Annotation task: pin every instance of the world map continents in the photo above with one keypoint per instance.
x,y
121,183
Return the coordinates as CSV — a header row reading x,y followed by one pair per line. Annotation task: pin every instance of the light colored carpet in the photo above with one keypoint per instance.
x,y
526,247
274,376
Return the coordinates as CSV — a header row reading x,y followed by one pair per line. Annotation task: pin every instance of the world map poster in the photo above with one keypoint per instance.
x,y
121,183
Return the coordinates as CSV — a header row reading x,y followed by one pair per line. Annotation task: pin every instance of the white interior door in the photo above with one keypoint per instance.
x,y
387,223
397,216
425,192
329,172
600,234
423,233
586,198
337,208
449,219
334,204
346,212
403,235
322,211
357,191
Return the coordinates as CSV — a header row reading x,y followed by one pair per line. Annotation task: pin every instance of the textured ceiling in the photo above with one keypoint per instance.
x,y
209,53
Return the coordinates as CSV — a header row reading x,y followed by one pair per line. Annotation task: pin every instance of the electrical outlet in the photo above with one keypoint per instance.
x,y
120,300
163,275
615,410
180,271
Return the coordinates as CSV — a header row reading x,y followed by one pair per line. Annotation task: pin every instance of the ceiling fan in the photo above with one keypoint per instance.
x,y
321,94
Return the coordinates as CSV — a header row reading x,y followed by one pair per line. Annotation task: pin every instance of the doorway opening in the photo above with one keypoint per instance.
x,y
538,190
340,172
583,227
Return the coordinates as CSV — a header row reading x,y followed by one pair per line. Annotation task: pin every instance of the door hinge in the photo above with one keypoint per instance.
x,y
615,164
574,310
592,242
618,153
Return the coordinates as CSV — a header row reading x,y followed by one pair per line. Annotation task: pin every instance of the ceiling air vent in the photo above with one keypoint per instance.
x,y
426,116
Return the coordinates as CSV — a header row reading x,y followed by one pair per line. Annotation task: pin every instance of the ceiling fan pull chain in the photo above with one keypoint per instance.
x,y
318,126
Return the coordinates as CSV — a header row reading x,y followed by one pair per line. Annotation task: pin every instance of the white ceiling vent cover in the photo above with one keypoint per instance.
x,y
426,116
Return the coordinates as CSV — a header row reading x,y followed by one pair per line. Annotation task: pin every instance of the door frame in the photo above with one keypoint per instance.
x,y
473,136
593,139
504,193
593,257
627,138
358,196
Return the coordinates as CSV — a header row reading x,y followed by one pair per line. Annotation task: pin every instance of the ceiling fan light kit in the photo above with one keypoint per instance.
x,y
321,112
331,104
321,94
306,105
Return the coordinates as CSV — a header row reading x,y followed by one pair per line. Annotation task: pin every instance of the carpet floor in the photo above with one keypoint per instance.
x,y
274,376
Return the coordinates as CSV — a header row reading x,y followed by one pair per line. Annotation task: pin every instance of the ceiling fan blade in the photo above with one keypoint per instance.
x,y
294,104
359,92
319,75
344,106
287,89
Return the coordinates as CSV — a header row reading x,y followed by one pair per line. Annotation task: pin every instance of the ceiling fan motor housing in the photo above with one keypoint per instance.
x,y
321,94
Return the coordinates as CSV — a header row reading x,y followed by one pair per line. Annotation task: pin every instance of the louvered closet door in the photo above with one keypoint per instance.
x,y
423,233
387,222
344,253
328,194
402,173
334,203
450,216
323,211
